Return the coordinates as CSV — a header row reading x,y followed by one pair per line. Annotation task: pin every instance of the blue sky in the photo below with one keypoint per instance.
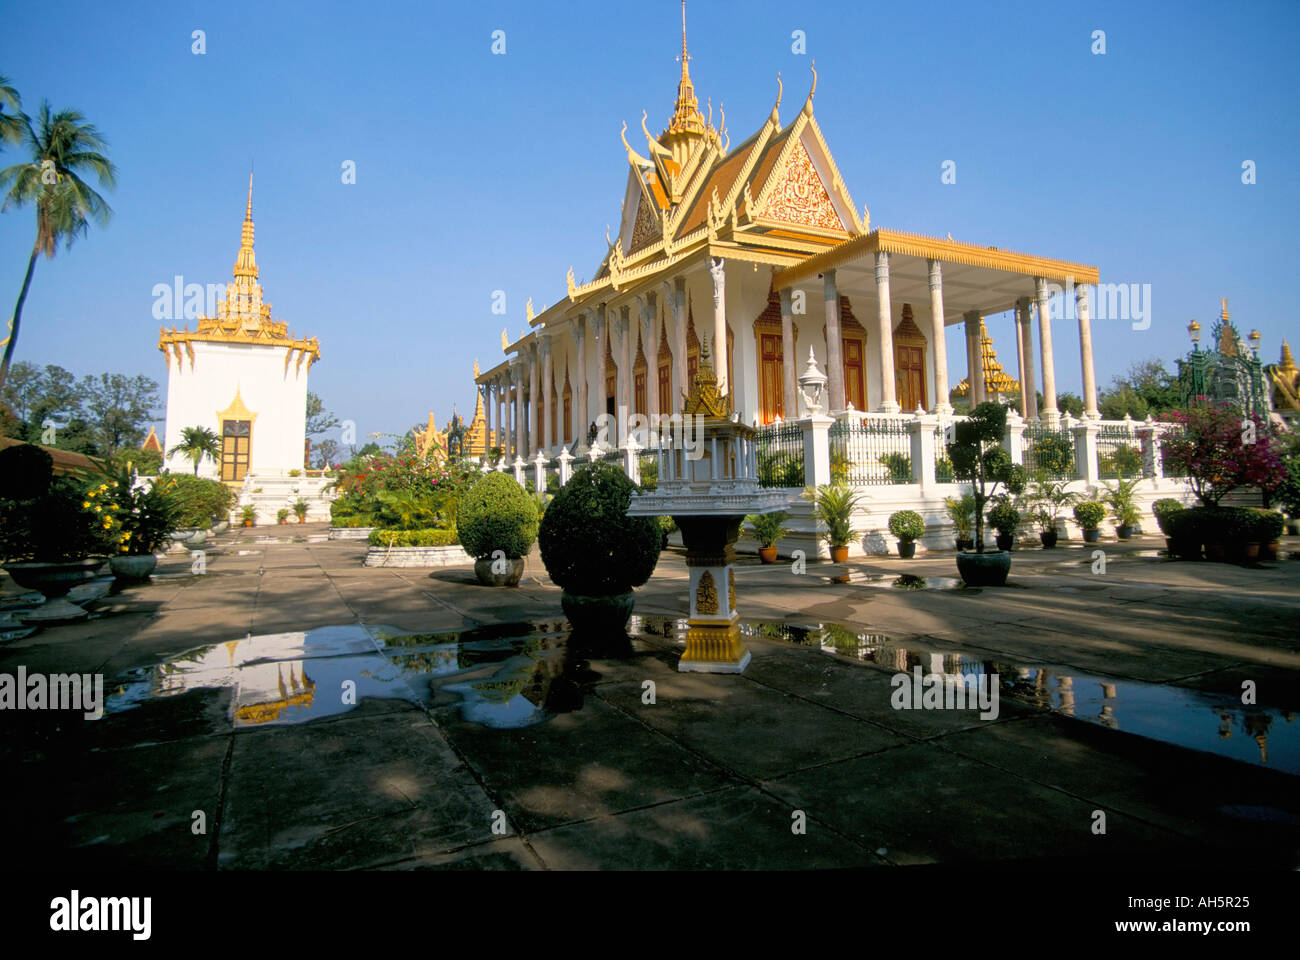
x,y
478,172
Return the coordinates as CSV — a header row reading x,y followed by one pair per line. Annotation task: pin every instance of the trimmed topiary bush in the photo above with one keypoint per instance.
x,y
497,514
412,538
1207,525
907,525
1266,526
589,544
1089,514
1164,508
1004,518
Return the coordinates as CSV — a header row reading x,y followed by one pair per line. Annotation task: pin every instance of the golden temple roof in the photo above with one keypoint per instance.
x,y
996,381
243,316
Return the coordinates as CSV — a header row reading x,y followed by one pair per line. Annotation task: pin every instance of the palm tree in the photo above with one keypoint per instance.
x,y
11,123
197,443
63,145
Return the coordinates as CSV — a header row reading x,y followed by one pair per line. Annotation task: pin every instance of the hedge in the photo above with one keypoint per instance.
x,y
413,538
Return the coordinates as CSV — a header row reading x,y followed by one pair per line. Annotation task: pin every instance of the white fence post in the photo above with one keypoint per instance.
x,y
566,469
519,470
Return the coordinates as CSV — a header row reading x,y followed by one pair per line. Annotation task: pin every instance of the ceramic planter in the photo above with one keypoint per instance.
x,y
984,569
1092,536
1048,539
965,543
907,549
54,580
598,616
1125,531
1005,541
509,578
134,566
248,523
767,554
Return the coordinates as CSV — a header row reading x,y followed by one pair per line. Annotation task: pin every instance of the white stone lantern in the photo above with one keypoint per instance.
x,y
811,385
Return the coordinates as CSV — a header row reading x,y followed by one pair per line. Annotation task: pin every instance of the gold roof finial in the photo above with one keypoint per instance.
x,y
1223,315
686,114
1288,362
245,262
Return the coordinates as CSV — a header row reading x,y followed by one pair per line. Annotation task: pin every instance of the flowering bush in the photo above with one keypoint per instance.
x,y
1220,449
45,518
136,520
401,491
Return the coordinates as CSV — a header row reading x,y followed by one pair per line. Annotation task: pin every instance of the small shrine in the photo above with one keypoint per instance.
x,y
708,484
1230,372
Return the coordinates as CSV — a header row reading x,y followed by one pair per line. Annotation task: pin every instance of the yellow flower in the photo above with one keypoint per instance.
x,y
86,504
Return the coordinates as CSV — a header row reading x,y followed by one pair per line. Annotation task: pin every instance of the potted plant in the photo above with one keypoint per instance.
x,y
596,553
833,506
1089,514
1048,498
979,458
909,527
300,507
1120,499
767,529
249,514
1267,532
282,515
1005,519
145,516
961,512
1164,510
53,535
496,522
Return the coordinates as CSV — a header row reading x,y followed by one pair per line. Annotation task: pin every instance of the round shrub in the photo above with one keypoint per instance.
x,y
1004,518
1266,526
1163,508
1089,514
496,514
590,546
1212,525
906,525
25,472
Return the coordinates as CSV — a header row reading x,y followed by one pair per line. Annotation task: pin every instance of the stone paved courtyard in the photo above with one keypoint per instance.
x,y
709,776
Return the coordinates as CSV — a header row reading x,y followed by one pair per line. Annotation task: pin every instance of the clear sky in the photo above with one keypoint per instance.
x,y
477,172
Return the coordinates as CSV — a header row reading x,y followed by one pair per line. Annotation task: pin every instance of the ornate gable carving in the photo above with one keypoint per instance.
x,y
646,230
800,196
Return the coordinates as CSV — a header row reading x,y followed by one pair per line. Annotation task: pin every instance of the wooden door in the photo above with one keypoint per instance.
x,y
909,372
771,377
855,383
236,447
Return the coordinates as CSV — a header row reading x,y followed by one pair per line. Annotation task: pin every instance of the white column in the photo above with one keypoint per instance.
x,y
600,330
789,386
1028,377
534,433
1085,353
580,411
834,344
1020,363
650,342
717,270
885,337
626,335
1050,413
546,410
938,333
517,367
680,385
974,366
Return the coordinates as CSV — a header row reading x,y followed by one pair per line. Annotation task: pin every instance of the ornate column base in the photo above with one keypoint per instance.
x,y
713,643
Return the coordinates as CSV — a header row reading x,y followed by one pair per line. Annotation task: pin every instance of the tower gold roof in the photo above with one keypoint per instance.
x,y
243,316
996,380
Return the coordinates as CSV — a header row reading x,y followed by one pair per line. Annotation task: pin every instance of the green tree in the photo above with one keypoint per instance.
x,y
979,458
11,122
319,419
1070,403
197,443
62,147
118,409
325,451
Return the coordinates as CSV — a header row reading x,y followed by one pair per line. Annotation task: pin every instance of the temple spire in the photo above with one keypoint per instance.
x,y
245,263
686,113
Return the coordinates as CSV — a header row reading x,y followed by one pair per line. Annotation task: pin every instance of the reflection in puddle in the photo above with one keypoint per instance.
x,y
520,674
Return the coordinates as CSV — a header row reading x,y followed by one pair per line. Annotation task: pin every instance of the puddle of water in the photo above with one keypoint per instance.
x,y
906,581
519,674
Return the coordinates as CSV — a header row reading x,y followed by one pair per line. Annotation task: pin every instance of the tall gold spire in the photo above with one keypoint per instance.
x,y
245,263
686,114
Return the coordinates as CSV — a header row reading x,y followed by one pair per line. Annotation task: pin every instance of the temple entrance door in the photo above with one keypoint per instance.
x,y
909,371
771,377
236,441
855,383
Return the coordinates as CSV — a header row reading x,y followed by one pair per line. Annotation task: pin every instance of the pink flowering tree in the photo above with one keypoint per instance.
x,y
1220,449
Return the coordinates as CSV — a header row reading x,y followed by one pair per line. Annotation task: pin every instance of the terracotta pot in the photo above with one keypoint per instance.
x,y
1268,551
286,520
767,554
840,555
1251,551
303,518
248,523
1215,551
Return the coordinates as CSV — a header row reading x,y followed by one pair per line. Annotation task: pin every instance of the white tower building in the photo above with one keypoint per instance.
x,y
243,376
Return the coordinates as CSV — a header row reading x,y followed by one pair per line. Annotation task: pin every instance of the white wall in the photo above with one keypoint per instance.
x,y
198,391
